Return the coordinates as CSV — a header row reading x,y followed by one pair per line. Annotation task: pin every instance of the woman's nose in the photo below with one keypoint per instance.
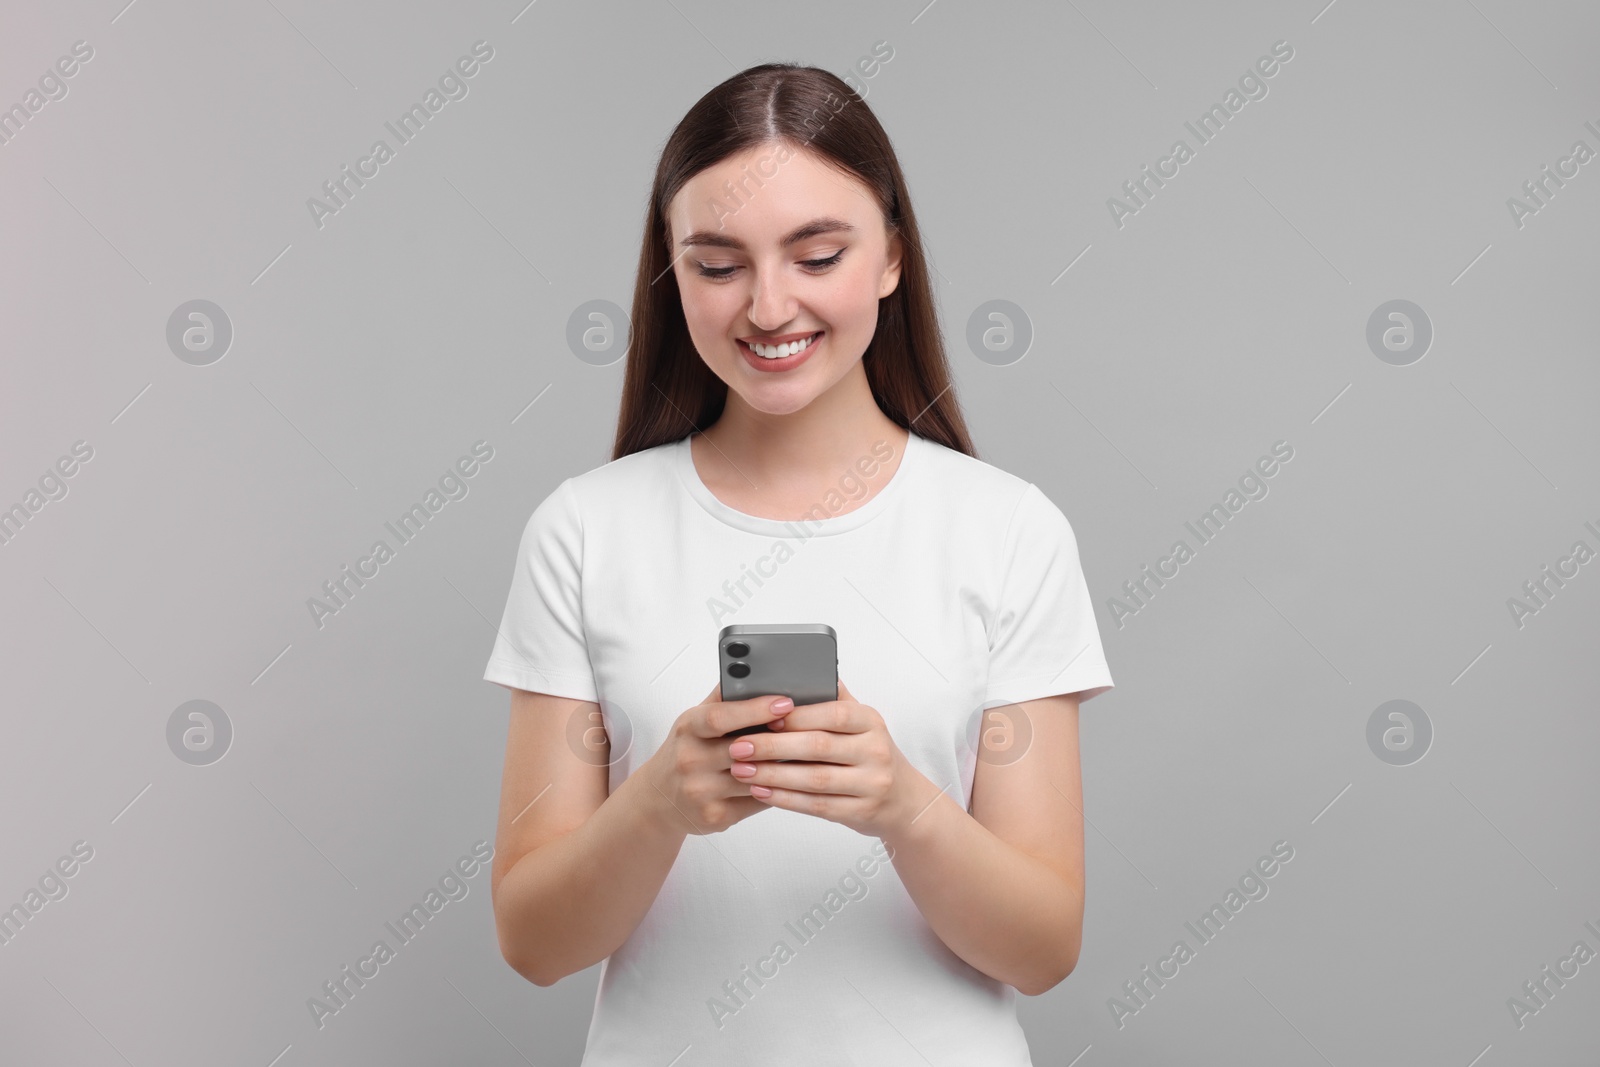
x,y
770,304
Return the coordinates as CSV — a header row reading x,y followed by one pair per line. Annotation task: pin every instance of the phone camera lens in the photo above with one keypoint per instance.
x,y
738,650
739,670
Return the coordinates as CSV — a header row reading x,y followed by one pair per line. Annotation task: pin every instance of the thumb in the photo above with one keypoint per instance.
x,y
845,694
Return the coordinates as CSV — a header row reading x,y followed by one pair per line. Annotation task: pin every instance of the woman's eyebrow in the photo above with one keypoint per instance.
x,y
815,228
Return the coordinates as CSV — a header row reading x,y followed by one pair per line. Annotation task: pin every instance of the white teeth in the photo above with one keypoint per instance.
x,y
780,351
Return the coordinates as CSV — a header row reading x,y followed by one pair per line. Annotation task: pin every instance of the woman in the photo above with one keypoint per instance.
x,y
789,450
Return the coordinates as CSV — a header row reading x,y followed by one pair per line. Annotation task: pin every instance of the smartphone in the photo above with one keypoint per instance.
x,y
796,660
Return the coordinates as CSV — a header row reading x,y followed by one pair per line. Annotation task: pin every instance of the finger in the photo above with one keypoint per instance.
x,y
817,779
838,716
844,692
822,805
722,717
805,746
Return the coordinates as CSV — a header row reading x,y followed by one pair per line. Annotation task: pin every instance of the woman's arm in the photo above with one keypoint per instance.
x,y
575,870
1003,886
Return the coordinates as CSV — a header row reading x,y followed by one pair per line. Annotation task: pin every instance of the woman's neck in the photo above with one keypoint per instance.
x,y
782,461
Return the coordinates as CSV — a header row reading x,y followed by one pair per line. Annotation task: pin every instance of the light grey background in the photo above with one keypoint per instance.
x,y
369,354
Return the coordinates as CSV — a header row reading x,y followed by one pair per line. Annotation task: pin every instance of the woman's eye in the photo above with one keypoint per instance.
x,y
814,264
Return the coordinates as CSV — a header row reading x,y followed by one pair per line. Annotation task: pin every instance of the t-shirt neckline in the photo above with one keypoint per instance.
x,y
689,478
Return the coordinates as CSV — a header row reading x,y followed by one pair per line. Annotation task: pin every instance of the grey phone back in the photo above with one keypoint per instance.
x,y
796,660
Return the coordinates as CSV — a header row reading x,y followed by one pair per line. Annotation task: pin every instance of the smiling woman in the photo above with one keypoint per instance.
x,y
786,384
759,312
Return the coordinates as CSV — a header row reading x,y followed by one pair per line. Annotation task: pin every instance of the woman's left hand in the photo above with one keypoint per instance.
x,y
852,771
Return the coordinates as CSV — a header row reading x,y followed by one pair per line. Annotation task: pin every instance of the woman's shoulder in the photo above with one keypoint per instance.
x,y
955,474
646,463
620,482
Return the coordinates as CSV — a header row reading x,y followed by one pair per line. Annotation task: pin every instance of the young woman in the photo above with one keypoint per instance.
x,y
789,450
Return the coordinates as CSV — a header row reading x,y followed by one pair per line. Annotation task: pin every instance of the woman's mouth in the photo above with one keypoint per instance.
x,y
779,357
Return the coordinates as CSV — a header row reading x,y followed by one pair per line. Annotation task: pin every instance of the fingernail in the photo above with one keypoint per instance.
x,y
782,705
741,749
760,791
743,770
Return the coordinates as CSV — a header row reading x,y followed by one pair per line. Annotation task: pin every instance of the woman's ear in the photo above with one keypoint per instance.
x,y
891,269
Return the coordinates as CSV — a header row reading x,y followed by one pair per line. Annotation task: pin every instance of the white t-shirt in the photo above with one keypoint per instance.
x,y
787,938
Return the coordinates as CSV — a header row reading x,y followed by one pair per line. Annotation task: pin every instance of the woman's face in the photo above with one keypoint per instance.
x,y
741,282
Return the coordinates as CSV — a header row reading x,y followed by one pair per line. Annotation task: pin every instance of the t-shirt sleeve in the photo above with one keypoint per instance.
x,y
1043,638
541,645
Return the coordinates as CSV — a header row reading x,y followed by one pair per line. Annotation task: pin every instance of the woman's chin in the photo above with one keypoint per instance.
x,y
779,394
777,401
775,397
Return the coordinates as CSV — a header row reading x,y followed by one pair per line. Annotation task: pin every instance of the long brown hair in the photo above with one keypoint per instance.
x,y
668,391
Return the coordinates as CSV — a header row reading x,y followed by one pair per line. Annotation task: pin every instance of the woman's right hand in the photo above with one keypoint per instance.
x,y
690,771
